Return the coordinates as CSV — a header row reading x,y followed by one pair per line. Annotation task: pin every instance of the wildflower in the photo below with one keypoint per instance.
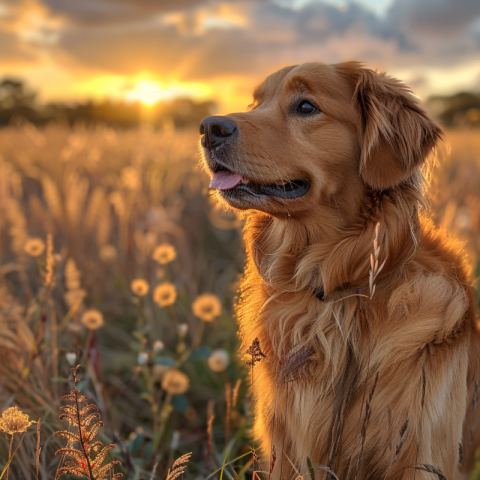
x,y
108,253
164,253
255,353
92,319
158,346
218,361
80,446
206,307
140,287
175,382
34,247
71,357
165,294
142,358
74,296
14,421
182,329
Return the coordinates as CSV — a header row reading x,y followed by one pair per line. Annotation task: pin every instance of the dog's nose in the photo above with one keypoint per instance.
x,y
216,130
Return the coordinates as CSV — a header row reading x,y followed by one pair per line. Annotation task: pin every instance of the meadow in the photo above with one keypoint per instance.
x,y
114,256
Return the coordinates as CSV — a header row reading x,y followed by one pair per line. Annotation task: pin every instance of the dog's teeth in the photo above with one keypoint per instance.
x,y
245,180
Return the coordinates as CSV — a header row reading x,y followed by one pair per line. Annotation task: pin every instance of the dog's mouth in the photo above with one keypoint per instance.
x,y
231,182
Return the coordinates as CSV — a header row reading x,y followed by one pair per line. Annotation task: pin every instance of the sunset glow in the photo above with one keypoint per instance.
x,y
147,93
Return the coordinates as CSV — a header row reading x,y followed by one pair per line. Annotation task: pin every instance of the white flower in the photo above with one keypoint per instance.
x,y
71,357
218,361
182,329
142,358
158,346
175,382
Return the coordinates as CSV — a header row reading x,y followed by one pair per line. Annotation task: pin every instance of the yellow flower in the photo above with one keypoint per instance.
x,y
164,253
92,319
108,253
218,361
175,382
14,421
140,287
34,246
165,294
74,296
206,307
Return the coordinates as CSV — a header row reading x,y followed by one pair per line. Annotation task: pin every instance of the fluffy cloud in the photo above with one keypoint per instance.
x,y
274,34
203,40
105,12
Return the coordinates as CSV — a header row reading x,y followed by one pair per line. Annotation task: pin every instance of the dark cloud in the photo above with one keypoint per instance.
x,y
275,34
439,18
101,12
164,49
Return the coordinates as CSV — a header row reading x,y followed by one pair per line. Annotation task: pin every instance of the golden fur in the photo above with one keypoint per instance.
x,y
369,387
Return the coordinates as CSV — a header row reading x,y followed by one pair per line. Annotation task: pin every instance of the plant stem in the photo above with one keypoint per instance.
x,y
196,341
7,466
54,346
9,455
82,443
163,421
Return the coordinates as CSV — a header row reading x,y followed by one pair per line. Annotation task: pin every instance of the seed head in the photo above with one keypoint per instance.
x,y
14,421
175,382
254,353
92,319
218,361
108,253
34,246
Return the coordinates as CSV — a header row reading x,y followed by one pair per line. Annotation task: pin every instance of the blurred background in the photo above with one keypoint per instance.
x,y
114,256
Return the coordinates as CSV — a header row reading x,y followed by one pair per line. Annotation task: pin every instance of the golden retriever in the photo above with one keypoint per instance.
x,y
362,307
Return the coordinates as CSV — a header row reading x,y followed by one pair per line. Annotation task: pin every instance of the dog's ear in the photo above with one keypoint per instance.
x,y
397,134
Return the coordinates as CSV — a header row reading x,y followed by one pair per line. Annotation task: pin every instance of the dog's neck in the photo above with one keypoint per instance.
x,y
322,251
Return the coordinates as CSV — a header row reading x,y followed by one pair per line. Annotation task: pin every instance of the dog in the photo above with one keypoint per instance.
x,y
358,312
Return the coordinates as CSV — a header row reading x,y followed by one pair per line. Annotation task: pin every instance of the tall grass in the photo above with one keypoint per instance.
x,y
108,201
83,214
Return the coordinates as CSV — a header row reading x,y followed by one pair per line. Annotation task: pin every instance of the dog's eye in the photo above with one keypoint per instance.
x,y
306,107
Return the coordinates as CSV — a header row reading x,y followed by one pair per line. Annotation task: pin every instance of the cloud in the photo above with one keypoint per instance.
x,y
206,40
13,52
105,12
437,18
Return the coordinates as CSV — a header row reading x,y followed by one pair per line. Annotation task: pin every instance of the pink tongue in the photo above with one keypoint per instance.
x,y
225,180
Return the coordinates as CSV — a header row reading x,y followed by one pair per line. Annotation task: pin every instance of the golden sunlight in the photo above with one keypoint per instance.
x,y
146,92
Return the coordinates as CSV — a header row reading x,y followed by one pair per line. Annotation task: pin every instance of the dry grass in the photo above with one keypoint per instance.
x,y
114,203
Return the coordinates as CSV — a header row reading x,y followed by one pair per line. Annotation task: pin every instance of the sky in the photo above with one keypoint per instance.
x,y
152,50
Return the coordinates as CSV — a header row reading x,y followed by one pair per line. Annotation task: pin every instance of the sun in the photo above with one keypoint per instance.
x,y
146,92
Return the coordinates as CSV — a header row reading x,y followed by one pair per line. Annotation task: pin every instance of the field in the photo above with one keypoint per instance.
x,y
109,241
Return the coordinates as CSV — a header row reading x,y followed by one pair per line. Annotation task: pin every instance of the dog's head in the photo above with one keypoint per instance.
x,y
314,131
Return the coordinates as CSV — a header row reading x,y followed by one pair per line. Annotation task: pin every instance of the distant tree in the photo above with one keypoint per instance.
x,y
13,94
461,109
18,104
